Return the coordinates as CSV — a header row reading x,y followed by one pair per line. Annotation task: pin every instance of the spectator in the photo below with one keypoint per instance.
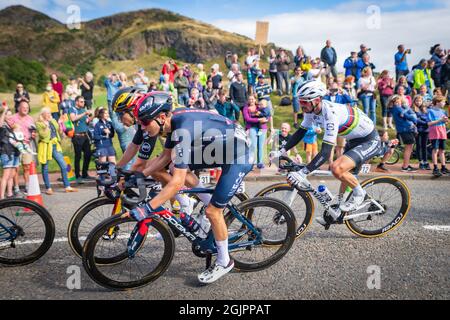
x,y
366,93
273,70
316,71
329,57
81,117
216,77
445,77
238,93
50,99
250,61
296,81
226,108
402,81
87,89
351,65
310,141
124,127
263,90
72,89
232,74
283,63
363,63
422,127
195,100
153,86
9,155
386,87
256,123
140,80
300,57
20,95
182,85
337,95
195,83
401,62
364,50
280,138
103,135
423,92
187,72
306,65
49,148
112,85
231,59
405,125
439,56
350,88
422,75
57,85
210,95
437,120
202,77
170,68
123,79
384,136
166,85
406,99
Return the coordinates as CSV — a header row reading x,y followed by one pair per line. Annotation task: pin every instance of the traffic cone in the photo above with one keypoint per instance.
x,y
34,191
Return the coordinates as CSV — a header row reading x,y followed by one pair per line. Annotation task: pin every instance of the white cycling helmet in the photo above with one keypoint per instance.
x,y
311,90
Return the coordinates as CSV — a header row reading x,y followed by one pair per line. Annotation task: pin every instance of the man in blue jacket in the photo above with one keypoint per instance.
x,y
351,65
329,56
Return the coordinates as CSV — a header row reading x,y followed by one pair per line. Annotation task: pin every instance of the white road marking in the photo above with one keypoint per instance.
x,y
437,228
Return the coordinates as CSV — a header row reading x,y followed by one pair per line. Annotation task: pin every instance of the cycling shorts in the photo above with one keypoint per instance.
x,y
364,149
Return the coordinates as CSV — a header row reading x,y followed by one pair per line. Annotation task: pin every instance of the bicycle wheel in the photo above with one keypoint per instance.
x,y
301,203
34,227
394,197
394,158
277,239
85,219
151,260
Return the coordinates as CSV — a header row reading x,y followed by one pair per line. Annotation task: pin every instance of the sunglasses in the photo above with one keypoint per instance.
x,y
305,103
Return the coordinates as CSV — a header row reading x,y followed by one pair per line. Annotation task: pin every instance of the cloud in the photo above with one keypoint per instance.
x,y
348,29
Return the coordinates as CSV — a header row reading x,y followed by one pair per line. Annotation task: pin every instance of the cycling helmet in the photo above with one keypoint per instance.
x,y
311,90
125,99
149,106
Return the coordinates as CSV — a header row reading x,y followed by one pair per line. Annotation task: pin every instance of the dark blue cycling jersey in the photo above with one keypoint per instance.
x,y
203,139
146,143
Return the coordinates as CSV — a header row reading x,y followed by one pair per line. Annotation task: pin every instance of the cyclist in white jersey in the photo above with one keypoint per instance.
x,y
363,142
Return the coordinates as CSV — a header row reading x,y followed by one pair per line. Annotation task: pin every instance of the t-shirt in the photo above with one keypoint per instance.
x,y
80,125
87,94
400,66
283,140
216,80
437,131
25,124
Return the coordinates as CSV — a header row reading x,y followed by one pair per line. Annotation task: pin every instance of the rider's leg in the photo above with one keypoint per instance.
x,y
341,168
219,227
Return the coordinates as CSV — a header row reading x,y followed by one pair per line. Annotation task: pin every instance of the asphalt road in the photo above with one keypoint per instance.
x,y
414,262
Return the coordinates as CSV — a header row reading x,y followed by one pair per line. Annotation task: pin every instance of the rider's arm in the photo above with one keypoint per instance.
x,y
296,138
321,157
128,155
171,189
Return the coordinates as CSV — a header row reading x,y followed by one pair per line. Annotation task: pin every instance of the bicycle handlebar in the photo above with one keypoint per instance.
x,y
133,179
106,172
290,166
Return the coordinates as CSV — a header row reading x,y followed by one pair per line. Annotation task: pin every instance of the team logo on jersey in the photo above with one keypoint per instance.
x,y
146,147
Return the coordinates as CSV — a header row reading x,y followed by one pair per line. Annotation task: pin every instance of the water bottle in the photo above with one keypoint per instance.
x,y
189,222
325,193
205,224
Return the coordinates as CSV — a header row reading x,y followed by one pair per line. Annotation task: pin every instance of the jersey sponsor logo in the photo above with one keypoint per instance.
x,y
330,126
146,147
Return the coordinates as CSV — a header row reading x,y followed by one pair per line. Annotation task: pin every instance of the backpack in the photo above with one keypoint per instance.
x,y
285,101
66,125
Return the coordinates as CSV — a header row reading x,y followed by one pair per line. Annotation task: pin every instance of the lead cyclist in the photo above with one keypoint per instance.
x,y
363,144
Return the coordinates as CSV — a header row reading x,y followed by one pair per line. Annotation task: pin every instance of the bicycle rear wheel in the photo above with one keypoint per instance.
x,y
276,240
394,197
394,158
151,260
34,227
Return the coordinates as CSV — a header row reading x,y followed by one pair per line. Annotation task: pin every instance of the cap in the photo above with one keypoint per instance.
x,y
261,76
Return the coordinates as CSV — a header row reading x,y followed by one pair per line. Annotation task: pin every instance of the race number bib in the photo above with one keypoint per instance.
x,y
365,169
205,178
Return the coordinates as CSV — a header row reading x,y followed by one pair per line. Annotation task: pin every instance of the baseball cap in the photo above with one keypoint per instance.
x,y
261,76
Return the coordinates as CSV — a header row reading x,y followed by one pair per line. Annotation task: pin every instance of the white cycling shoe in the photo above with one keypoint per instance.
x,y
353,203
215,272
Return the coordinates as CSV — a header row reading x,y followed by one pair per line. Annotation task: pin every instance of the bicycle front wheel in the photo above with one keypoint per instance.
x,y
33,228
392,196
151,260
276,238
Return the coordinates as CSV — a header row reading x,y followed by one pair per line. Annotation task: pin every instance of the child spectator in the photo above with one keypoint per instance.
x,y
426,97
405,124
420,108
384,136
195,100
16,138
310,141
437,120
279,139
103,134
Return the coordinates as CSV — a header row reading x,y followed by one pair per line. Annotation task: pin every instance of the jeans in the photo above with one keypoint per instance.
x,y
257,140
81,145
183,99
59,158
386,112
333,71
369,106
283,76
421,146
274,81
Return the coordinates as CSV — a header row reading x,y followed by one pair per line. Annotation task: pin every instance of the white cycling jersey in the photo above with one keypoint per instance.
x,y
339,120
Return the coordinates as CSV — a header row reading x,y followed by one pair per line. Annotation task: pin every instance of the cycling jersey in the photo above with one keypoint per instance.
x,y
339,120
146,143
202,139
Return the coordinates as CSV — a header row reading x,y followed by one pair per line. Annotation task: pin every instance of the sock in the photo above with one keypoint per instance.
x,y
223,258
184,202
435,166
204,197
16,189
358,190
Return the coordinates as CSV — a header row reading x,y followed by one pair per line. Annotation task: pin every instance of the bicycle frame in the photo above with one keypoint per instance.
x,y
5,231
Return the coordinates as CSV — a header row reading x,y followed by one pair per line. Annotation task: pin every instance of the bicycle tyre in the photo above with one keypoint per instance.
x,y
91,266
302,223
283,246
49,225
394,159
399,217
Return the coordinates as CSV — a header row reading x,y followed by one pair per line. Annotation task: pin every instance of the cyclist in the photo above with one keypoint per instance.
x,y
363,143
196,139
